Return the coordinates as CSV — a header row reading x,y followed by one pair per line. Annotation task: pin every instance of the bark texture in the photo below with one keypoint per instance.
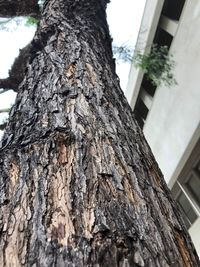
x,y
79,184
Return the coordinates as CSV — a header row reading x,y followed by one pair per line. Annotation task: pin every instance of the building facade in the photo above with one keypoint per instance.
x,y
170,117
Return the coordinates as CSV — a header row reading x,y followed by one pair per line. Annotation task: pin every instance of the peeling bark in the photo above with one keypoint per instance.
x,y
79,184
15,8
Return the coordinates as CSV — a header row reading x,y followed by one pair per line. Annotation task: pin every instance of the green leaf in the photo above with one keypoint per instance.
x,y
30,21
157,64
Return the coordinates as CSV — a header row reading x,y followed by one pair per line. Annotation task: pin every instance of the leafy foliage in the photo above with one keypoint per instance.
x,y
30,21
157,64
11,24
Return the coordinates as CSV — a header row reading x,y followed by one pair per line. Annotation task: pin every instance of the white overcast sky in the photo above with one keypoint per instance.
x,y
124,18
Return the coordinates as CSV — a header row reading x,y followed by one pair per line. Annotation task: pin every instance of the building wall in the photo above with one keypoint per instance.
x,y
170,117
172,120
145,38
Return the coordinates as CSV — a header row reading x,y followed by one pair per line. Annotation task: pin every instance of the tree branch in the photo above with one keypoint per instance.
x,y
2,126
7,84
15,8
4,110
16,74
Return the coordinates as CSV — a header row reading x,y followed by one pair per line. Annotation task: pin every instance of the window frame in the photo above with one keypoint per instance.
x,y
180,186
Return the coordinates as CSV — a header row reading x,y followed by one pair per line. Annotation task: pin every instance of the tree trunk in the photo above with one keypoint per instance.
x,y
79,185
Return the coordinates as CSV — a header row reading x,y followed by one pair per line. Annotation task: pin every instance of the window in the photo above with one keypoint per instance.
x,y
173,8
193,186
141,112
148,86
186,190
163,38
188,212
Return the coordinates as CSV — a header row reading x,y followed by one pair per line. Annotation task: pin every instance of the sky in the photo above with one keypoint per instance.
x,y
124,21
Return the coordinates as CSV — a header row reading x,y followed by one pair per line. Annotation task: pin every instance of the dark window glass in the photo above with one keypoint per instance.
x,y
139,119
193,185
173,8
163,38
198,167
141,112
148,86
189,215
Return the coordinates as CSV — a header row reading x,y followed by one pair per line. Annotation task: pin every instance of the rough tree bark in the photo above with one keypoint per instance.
x,y
79,185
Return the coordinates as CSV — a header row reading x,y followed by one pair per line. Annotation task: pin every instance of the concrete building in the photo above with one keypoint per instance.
x,y
170,117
